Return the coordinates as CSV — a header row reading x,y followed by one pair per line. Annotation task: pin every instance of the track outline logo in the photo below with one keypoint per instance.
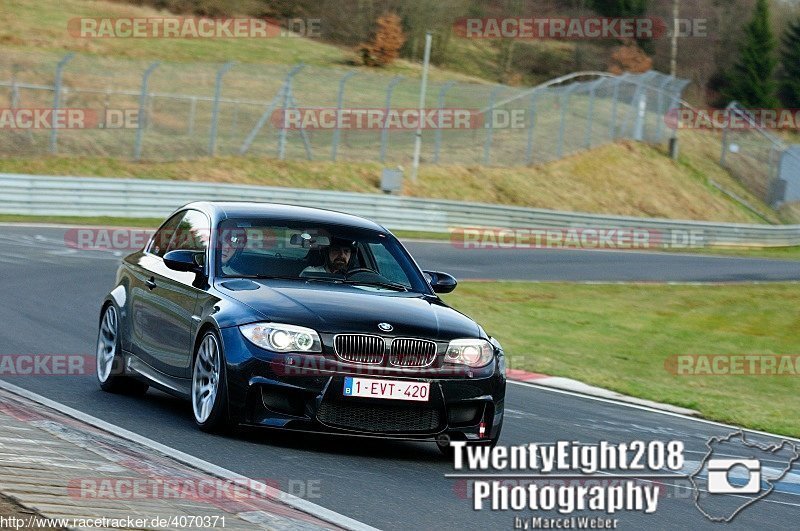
x,y
707,461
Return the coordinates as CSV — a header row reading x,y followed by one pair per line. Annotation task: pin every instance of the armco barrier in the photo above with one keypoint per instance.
x,y
84,196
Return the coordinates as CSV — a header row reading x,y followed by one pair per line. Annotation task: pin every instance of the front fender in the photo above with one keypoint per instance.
x,y
119,298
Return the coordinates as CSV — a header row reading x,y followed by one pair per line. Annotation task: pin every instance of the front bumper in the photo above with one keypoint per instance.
x,y
305,392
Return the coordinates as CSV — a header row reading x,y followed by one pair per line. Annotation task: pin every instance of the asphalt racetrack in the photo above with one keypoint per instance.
x,y
51,296
48,244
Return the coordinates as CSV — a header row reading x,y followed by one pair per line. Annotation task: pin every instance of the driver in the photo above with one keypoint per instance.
x,y
337,258
232,242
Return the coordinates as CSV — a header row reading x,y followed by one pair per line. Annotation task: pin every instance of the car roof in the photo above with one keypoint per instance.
x,y
220,210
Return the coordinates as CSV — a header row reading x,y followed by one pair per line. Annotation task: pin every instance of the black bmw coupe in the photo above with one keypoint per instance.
x,y
298,318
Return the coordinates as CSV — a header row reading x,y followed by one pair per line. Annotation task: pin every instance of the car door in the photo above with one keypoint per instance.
x,y
141,267
164,321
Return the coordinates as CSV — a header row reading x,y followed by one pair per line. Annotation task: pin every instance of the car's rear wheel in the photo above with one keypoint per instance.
x,y
110,360
209,385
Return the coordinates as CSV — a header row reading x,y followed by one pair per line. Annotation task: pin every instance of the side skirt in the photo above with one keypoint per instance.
x,y
180,387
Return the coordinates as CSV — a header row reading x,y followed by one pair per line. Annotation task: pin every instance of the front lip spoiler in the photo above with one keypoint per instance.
x,y
428,437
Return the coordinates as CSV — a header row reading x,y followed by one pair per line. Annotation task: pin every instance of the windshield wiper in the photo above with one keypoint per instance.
x,y
266,277
388,285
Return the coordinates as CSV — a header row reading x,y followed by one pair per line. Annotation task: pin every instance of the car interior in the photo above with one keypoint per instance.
x,y
260,262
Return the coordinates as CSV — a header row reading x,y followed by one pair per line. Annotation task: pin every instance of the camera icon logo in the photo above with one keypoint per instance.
x,y
734,476
723,488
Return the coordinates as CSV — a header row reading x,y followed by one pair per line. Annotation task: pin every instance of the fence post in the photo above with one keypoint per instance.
x,y
613,121
662,107
489,125
385,131
212,137
14,97
106,102
440,103
531,127
192,111
639,106
587,136
137,148
339,104
631,104
641,111
251,136
151,98
287,94
724,146
676,104
730,108
563,124
235,119
57,98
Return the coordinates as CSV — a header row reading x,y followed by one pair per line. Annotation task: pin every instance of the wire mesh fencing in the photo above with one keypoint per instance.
x,y
165,111
752,154
767,166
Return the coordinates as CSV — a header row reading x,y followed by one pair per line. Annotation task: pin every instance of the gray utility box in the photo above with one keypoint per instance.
x,y
392,180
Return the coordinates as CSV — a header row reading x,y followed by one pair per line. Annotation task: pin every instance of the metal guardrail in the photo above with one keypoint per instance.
x,y
140,198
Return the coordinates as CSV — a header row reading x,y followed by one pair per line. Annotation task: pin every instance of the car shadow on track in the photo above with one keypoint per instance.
x,y
180,416
365,447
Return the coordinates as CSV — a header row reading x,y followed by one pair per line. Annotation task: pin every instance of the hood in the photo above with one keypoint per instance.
x,y
337,308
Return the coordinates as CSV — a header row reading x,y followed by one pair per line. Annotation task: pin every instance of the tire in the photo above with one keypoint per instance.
x,y
109,360
209,385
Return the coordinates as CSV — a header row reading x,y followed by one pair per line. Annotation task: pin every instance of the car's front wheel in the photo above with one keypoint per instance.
x,y
109,357
209,385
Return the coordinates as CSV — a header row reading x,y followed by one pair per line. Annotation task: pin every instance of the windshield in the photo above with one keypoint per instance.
x,y
308,251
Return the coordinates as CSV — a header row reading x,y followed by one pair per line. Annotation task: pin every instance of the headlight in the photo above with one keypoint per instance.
x,y
282,337
470,352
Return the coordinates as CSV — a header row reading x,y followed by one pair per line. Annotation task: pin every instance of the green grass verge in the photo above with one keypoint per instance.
x,y
619,336
82,220
778,253
627,178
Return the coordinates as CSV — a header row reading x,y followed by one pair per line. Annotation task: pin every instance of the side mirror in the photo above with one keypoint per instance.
x,y
182,260
441,282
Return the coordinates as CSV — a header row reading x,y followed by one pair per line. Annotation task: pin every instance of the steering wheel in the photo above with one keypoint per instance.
x,y
357,270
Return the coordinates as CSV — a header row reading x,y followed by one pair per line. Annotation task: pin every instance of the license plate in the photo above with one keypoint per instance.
x,y
388,389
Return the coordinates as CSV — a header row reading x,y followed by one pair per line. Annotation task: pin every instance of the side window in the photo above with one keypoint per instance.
x,y
191,234
162,238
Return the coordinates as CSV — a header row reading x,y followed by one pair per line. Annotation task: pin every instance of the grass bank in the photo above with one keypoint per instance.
x,y
619,337
626,178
